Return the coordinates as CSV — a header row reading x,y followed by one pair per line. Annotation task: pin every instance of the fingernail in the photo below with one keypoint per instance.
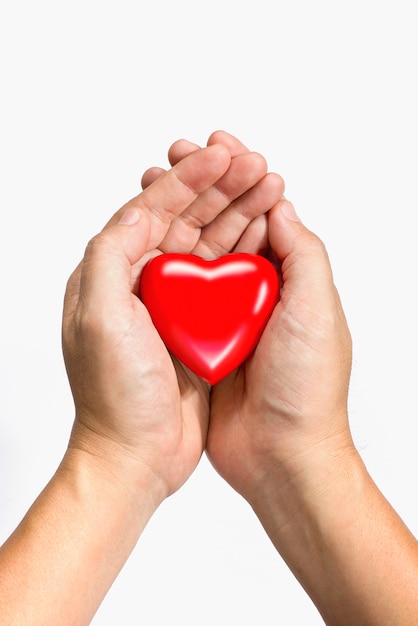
x,y
288,211
130,217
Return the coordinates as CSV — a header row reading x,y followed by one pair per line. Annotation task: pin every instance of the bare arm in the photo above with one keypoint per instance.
x,y
63,557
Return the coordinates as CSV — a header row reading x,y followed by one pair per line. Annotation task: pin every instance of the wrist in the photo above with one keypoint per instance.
x,y
115,467
316,477
306,505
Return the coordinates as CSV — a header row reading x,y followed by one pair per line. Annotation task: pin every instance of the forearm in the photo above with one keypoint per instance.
x,y
343,541
61,560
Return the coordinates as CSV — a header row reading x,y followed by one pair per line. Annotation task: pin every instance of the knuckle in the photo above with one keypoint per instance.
x,y
101,245
96,243
91,325
212,249
195,222
315,245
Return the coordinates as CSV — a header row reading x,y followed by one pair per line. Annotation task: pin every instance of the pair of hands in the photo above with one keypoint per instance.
x,y
135,405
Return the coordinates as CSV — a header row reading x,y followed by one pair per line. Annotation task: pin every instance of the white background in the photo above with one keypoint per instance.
x,y
92,93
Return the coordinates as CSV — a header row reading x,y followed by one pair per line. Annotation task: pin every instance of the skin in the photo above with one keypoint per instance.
x,y
276,429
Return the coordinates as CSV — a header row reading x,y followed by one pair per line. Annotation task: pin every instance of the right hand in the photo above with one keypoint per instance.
x,y
288,401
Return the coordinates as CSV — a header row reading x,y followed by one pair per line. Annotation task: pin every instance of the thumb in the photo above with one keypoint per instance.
x,y
305,265
105,274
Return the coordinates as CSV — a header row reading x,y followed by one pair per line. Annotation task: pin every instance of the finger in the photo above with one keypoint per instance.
x,y
254,239
244,172
151,175
234,145
176,189
103,277
223,234
180,149
180,236
105,272
305,266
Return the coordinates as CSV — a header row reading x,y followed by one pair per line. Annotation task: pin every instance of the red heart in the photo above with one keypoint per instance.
x,y
210,314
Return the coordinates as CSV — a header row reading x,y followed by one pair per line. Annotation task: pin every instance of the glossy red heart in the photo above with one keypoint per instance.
x,y
210,314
